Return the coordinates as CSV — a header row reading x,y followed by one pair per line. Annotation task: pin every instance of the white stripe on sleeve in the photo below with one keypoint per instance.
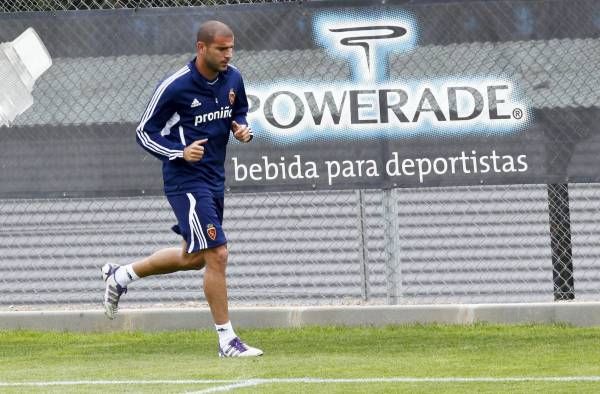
x,y
158,93
145,139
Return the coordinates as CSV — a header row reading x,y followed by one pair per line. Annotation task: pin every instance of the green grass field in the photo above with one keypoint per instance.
x,y
522,359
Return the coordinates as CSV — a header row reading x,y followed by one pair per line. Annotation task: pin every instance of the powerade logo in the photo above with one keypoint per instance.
x,y
373,106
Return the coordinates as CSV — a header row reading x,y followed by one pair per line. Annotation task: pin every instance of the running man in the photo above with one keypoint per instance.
x,y
187,125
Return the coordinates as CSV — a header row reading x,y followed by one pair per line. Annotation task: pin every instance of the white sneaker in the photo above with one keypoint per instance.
x,y
237,348
113,290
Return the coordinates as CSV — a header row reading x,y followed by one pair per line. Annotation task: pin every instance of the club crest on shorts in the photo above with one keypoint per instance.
x,y
231,96
211,230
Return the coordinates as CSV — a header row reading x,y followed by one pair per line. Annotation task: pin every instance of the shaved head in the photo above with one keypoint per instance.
x,y
211,29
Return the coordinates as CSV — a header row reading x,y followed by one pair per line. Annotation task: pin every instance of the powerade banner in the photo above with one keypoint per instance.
x,y
369,128
346,94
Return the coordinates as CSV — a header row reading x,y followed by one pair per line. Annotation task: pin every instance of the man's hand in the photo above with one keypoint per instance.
x,y
241,132
194,151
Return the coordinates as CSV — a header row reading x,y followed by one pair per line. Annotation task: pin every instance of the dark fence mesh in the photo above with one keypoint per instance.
x,y
63,5
77,191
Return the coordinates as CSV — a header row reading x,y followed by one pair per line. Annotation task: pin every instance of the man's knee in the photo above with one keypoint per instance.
x,y
217,257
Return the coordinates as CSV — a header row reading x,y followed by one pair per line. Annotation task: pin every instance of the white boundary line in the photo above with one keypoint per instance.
x,y
109,382
229,387
251,382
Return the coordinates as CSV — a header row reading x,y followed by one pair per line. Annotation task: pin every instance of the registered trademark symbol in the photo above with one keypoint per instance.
x,y
517,113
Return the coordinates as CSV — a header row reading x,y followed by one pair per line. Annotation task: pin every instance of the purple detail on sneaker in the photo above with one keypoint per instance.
x,y
120,289
238,344
113,269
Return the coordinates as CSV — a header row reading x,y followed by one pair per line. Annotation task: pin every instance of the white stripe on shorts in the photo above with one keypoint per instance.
x,y
201,237
195,226
190,220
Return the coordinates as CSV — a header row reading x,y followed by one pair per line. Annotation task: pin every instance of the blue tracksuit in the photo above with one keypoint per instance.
x,y
187,107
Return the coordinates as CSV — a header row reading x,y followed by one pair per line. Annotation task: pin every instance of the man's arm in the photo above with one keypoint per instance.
x,y
239,124
159,115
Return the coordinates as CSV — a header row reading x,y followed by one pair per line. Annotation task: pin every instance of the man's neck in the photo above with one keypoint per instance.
x,y
206,72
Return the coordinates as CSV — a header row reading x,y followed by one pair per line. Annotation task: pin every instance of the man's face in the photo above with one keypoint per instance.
x,y
218,53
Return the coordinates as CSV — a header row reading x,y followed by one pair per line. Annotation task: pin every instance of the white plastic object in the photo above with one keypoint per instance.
x,y
22,62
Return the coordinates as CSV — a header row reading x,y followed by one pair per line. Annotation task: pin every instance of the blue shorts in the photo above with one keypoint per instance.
x,y
200,219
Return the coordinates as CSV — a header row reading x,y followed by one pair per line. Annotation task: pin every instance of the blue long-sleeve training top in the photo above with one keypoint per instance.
x,y
184,108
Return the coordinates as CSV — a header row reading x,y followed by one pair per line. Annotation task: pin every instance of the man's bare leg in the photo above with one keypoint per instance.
x,y
215,290
214,260
169,260
215,283
164,261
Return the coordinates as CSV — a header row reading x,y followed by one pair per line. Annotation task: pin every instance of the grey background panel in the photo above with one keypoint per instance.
x,y
585,213
100,159
487,244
